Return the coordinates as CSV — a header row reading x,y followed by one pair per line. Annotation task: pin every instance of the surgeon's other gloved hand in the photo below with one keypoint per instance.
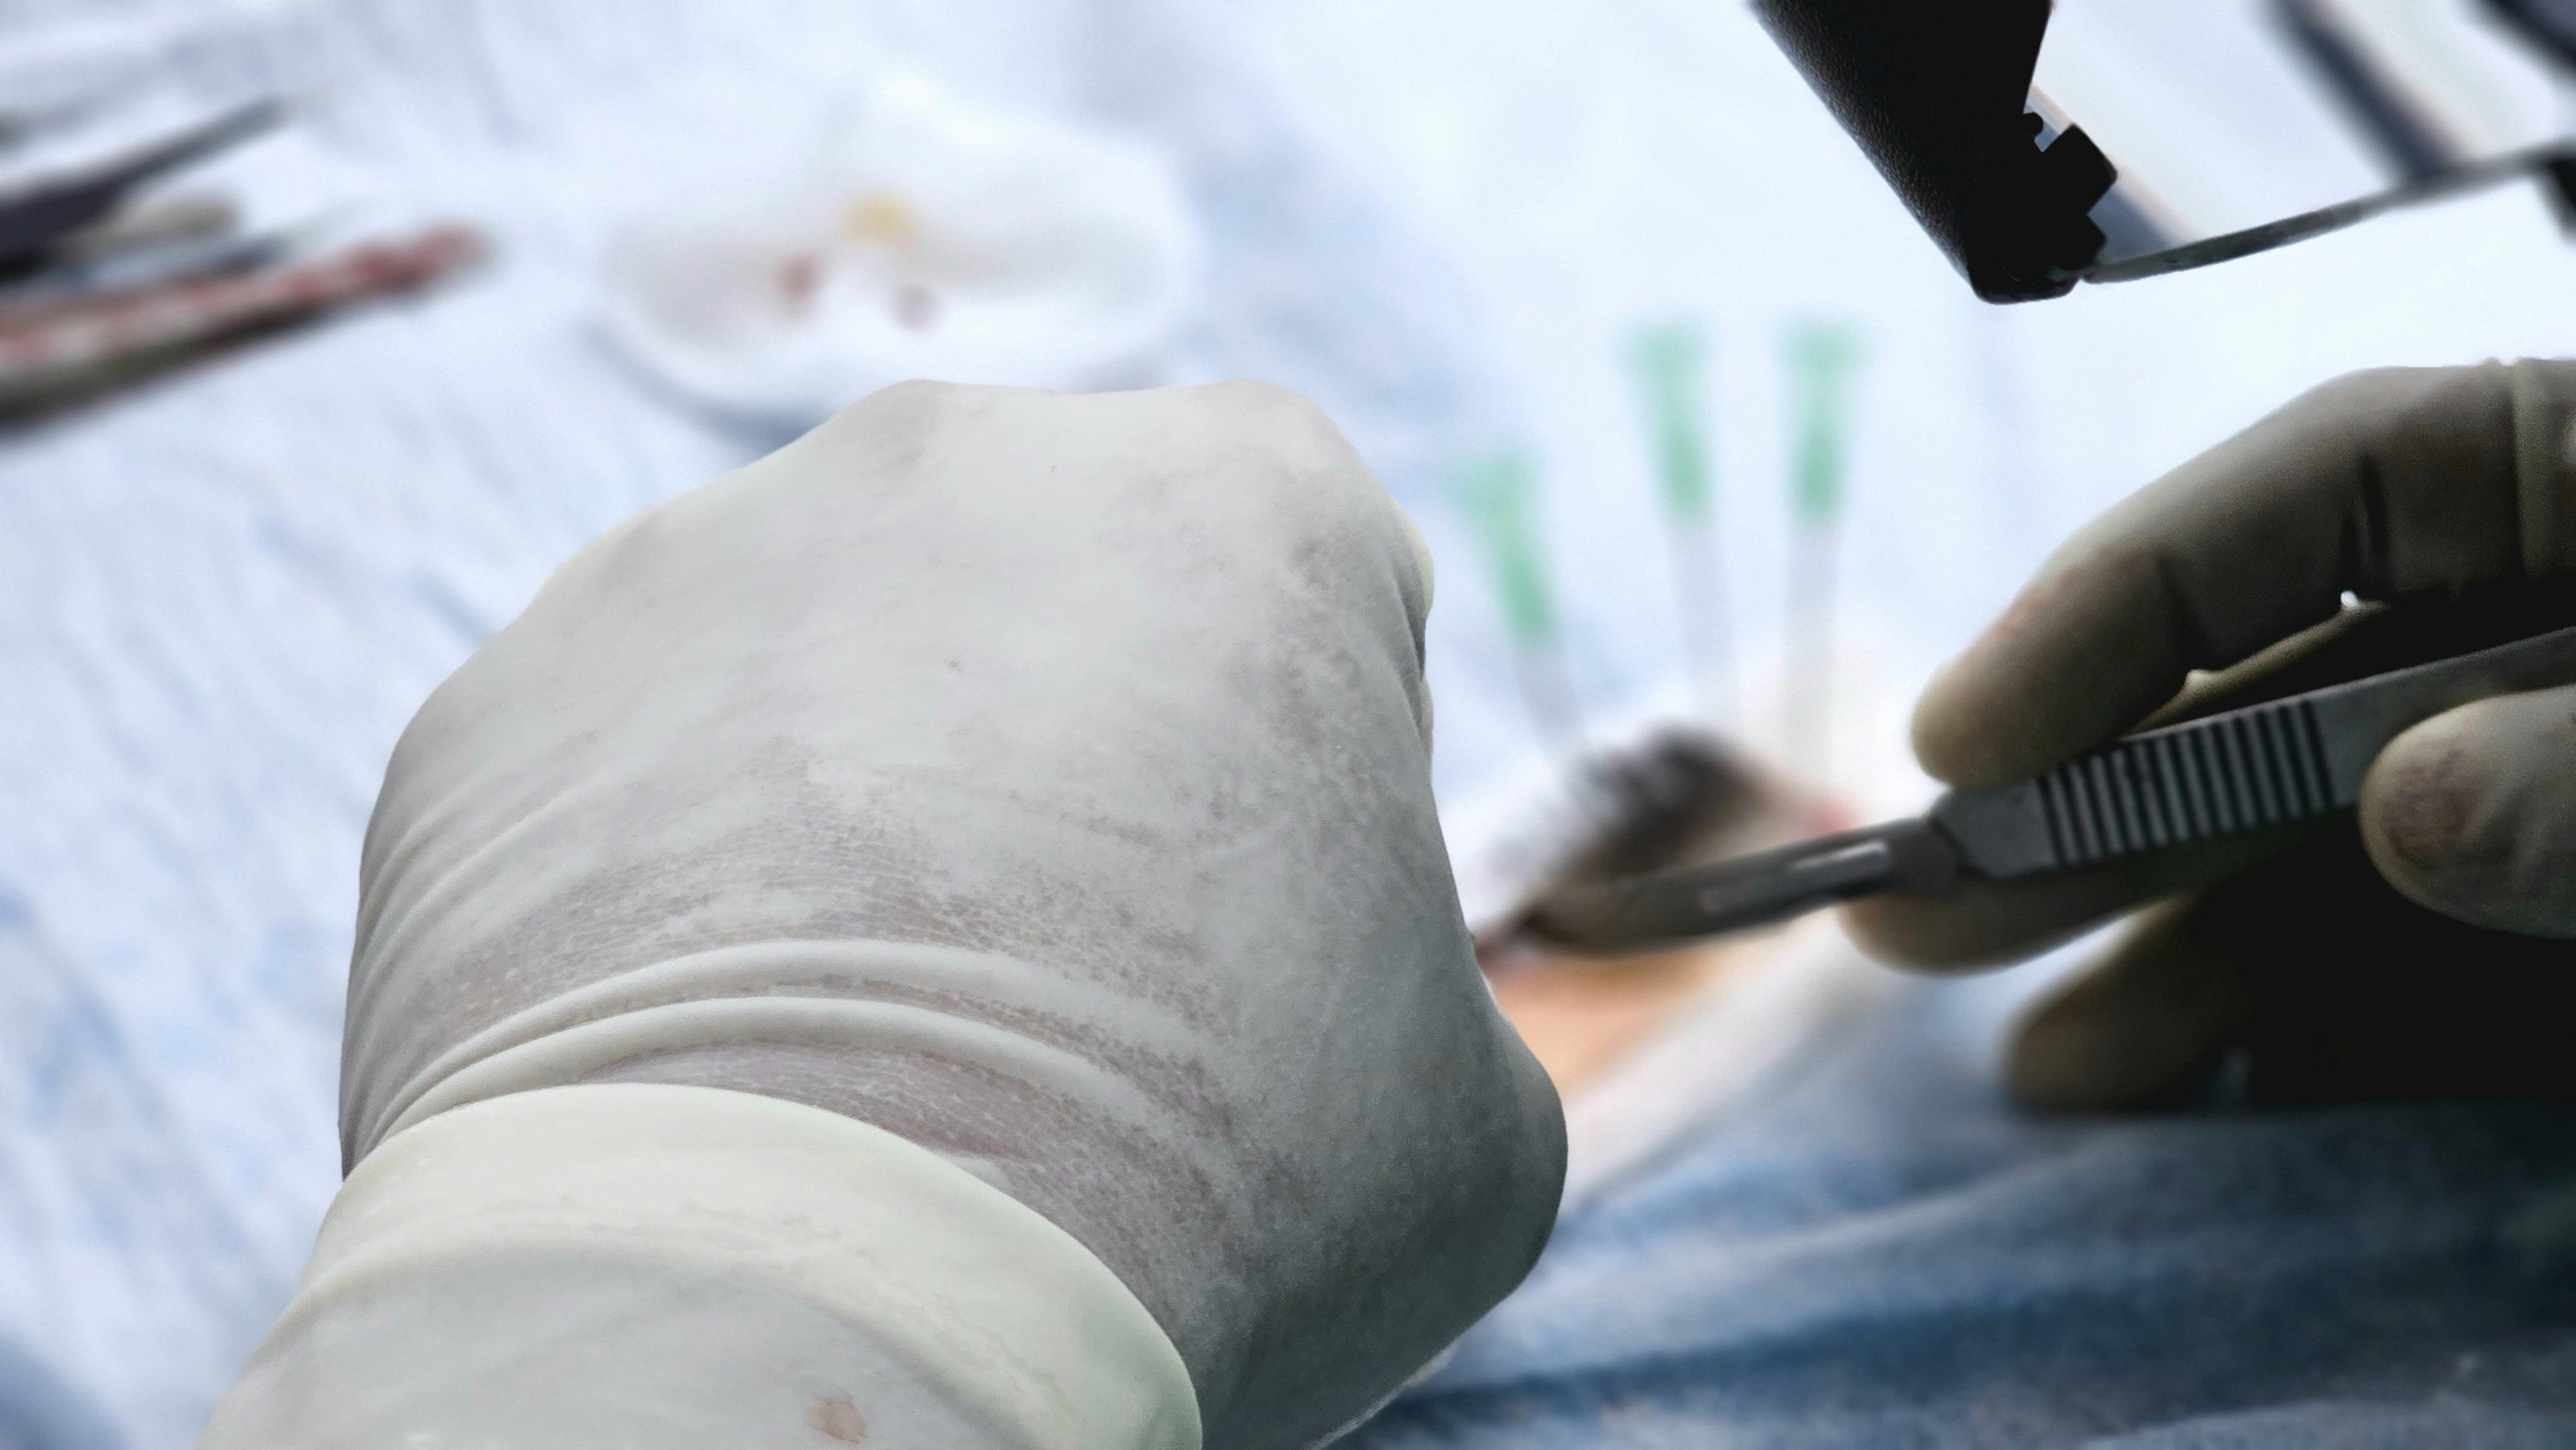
x,y
939,938
2422,948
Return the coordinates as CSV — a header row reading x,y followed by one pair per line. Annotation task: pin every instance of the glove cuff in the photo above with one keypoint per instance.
x,y
658,1266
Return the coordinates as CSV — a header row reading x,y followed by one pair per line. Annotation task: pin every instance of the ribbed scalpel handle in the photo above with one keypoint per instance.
x,y
2259,766
2231,772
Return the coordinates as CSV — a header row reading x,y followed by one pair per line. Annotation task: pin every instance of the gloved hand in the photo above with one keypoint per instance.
x,y
939,937
2421,951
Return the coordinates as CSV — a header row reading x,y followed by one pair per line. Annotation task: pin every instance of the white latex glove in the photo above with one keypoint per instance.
x,y
939,937
2417,489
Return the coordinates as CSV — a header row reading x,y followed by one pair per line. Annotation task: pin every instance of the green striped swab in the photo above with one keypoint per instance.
x,y
1498,493
1668,363
1823,358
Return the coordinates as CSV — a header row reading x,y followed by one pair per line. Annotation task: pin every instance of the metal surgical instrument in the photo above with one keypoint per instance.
x,y
2263,765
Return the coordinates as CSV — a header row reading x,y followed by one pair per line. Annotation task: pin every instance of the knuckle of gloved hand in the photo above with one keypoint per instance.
x,y
888,433
2436,419
899,419
884,433
1310,463
2384,392
1917,933
910,403
2404,420
1318,490
2553,378
1264,413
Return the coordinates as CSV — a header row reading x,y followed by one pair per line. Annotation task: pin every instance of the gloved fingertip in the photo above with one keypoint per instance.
x,y
2086,1052
2473,813
2054,1068
1966,729
1925,934
2144,1029
1933,730
2072,1054
1999,711
2423,808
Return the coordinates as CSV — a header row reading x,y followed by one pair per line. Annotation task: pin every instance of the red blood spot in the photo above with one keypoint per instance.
x,y
838,1417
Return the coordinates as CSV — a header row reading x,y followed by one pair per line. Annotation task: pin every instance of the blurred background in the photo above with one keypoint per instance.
x,y
383,307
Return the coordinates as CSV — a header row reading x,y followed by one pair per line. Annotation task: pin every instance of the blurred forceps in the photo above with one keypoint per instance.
x,y
2262,765
43,211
